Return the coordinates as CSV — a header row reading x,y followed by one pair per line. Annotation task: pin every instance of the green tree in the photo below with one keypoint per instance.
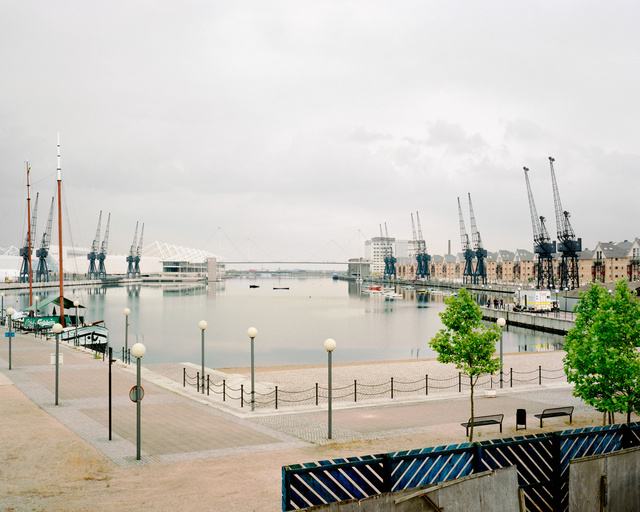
x,y
602,361
466,342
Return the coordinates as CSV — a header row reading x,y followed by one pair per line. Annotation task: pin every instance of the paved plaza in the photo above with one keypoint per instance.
x,y
180,425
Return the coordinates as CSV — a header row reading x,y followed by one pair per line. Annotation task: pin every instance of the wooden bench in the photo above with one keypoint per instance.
x,y
557,411
479,421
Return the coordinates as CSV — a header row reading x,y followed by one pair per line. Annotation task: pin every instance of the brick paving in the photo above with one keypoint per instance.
x,y
180,424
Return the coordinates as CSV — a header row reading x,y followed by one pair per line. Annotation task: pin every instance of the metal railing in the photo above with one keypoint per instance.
x,y
391,388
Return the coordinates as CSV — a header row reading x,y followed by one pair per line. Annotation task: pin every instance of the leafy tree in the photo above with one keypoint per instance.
x,y
602,361
466,342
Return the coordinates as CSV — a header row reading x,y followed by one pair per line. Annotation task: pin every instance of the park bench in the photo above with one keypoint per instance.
x,y
479,421
557,411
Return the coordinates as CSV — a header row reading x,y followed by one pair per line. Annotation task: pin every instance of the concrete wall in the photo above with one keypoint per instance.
x,y
551,322
622,473
492,490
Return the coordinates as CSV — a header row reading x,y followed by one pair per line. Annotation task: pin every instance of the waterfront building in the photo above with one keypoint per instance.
x,y
359,267
614,261
376,249
157,258
505,261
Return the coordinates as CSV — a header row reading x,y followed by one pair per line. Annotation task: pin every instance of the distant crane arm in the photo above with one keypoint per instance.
x,y
563,225
139,251
477,240
464,238
46,237
105,242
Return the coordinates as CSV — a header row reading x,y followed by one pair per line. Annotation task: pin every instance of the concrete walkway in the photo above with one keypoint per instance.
x,y
180,424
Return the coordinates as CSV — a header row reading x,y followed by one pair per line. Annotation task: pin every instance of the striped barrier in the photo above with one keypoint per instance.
x,y
542,462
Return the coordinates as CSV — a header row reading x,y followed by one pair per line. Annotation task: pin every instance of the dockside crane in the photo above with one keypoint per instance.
x,y
26,251
42,270
92,273
568,244
422,257
136,261
102,255
468,253
389,258
132,255
543,247
480,272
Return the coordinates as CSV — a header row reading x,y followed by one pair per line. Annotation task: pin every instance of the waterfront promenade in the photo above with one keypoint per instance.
x,y
199,453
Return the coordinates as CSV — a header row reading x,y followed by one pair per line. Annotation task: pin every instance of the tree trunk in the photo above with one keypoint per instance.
x,y
604,418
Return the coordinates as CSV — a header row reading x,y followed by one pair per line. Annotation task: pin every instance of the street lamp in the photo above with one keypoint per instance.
x,y
329,346
126,312
138,350
501,323
57,329
10,313
203,325
2,309
252,332
76,304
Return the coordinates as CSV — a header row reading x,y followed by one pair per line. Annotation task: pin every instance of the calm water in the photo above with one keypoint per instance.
x,y
292,324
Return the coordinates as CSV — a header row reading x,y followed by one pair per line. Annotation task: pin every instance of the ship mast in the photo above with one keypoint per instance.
x,y
60,237
29,236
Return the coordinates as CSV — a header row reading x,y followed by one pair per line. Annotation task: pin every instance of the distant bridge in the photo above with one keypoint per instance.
x,y
284,262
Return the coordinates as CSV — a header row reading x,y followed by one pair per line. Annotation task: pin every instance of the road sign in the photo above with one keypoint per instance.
x,y
132,393
7,334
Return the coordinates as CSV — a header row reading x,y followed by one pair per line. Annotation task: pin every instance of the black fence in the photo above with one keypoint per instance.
x,y
358,390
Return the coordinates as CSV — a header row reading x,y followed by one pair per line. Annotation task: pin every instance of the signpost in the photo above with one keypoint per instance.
x,y
135,396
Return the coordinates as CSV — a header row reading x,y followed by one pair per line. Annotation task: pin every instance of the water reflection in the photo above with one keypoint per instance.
x,y
292,322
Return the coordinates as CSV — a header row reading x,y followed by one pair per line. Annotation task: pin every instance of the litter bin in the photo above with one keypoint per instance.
x,y
521,419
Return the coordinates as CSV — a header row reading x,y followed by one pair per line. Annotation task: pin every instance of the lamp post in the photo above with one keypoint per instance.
x,y
126,312
329,346
501,323
252,332
36,299
203,325
57,329
76,304
138,350
10,313
2,309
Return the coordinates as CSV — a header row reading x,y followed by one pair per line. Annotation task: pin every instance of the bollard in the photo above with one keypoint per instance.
x,y
241,395
316,393
391,387
184,376
540,375
426,384
511,379
198,381
459,382
276,397
355,390
224,390
207,384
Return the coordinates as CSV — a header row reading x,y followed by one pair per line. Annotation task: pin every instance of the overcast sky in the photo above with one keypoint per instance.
x,y
292,129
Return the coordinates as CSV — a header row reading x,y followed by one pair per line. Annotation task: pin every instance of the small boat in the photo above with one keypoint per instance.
x,y
254,286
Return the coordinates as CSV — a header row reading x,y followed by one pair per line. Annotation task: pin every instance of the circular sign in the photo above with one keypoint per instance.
x,y
132,393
